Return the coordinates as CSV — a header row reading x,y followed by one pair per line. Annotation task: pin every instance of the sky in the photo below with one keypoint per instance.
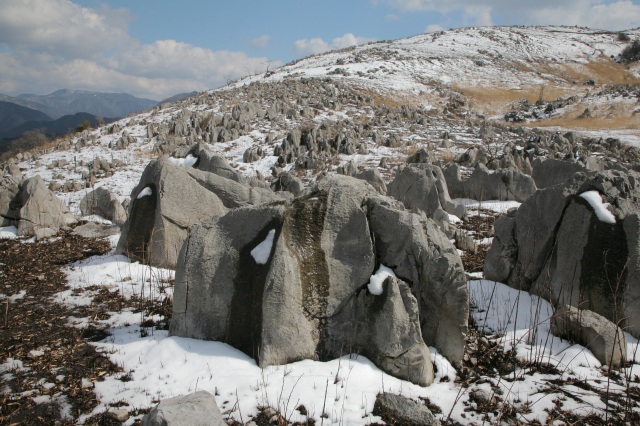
x,y
158,48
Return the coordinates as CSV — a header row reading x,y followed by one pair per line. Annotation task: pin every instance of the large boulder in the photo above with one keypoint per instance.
x,y
289,281
196,409
574,249
104,203
602,337
32,207
484,184
551,172
169,199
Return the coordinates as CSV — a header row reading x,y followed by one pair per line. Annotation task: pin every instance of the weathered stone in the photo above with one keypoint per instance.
x,y
196,409
288,182
403,411
483,184
104,203
306,298
178,198
96,230
557,247
374,178
602,337
31,205
552,172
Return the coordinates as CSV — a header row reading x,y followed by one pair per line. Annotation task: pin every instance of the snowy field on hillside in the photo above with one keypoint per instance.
x,y
157,366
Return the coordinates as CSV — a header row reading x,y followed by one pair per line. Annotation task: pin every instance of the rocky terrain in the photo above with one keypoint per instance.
x,y
452,218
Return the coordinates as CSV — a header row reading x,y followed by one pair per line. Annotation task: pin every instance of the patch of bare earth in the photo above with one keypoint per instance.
x,y
47,359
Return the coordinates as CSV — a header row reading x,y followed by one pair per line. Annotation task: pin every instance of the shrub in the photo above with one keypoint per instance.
x,y
631,53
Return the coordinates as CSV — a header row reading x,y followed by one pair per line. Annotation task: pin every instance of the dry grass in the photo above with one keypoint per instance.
x,y
387,99
596,123
492,99
602,72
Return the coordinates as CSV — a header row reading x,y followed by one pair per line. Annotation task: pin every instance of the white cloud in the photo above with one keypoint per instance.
x,y
433,28
261,42
317,45
47,45
602,14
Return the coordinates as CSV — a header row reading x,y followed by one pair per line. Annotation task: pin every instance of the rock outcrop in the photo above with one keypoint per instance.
x,y
169,199
484,184
32,208
576,250
289,281
403,411
104,203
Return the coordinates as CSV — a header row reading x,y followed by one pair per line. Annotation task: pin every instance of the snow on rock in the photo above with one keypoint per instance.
x,y
145,192
601,209
376,280
262,251
188,161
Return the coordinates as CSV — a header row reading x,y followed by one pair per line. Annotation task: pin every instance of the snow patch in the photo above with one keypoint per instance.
x,y
188,161
376,280
601,209
8,232
262,251
145,193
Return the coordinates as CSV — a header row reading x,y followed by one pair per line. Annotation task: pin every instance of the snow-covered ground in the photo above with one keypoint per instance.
x,y
158,366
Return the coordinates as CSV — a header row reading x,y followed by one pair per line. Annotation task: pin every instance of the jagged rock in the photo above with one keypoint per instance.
x,y
104,203
287,182
416,249
552,172
159,220
423,187
422,156
602,337
30,206
483,184
374,178
196,409
12,169
557,247
403,410
252,154
304,296
348,169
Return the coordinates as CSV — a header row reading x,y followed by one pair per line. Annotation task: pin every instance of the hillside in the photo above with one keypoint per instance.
x,y
440,109
12,116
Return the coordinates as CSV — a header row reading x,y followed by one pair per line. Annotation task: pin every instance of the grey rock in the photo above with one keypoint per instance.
x,y
31,206
196,409
374,178
556,247
43,233
602,337
104,203
308,300
483,184
403,410
423,187
96,230
288,182
416,249
552,172
158,224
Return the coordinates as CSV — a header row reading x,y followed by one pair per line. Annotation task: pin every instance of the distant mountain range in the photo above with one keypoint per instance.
x,y
68,102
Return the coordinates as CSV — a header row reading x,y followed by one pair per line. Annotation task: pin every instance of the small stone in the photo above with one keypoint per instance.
x,y
86,383
121,415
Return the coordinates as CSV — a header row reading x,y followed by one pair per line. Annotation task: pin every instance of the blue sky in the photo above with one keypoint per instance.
x,y
156,48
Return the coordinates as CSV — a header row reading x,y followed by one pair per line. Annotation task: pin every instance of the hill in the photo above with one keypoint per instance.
x,y
494,102
12,116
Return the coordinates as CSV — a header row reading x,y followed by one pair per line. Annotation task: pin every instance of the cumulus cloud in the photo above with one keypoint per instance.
x,y
46,45
602,14
261,42
317,45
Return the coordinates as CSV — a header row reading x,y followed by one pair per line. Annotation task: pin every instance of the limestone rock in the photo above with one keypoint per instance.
x,y
196,409
104,203
483,184
403,410
304,296
602,337
168,200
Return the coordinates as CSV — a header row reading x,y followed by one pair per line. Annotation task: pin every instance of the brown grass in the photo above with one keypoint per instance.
x,y
596,123
602,72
